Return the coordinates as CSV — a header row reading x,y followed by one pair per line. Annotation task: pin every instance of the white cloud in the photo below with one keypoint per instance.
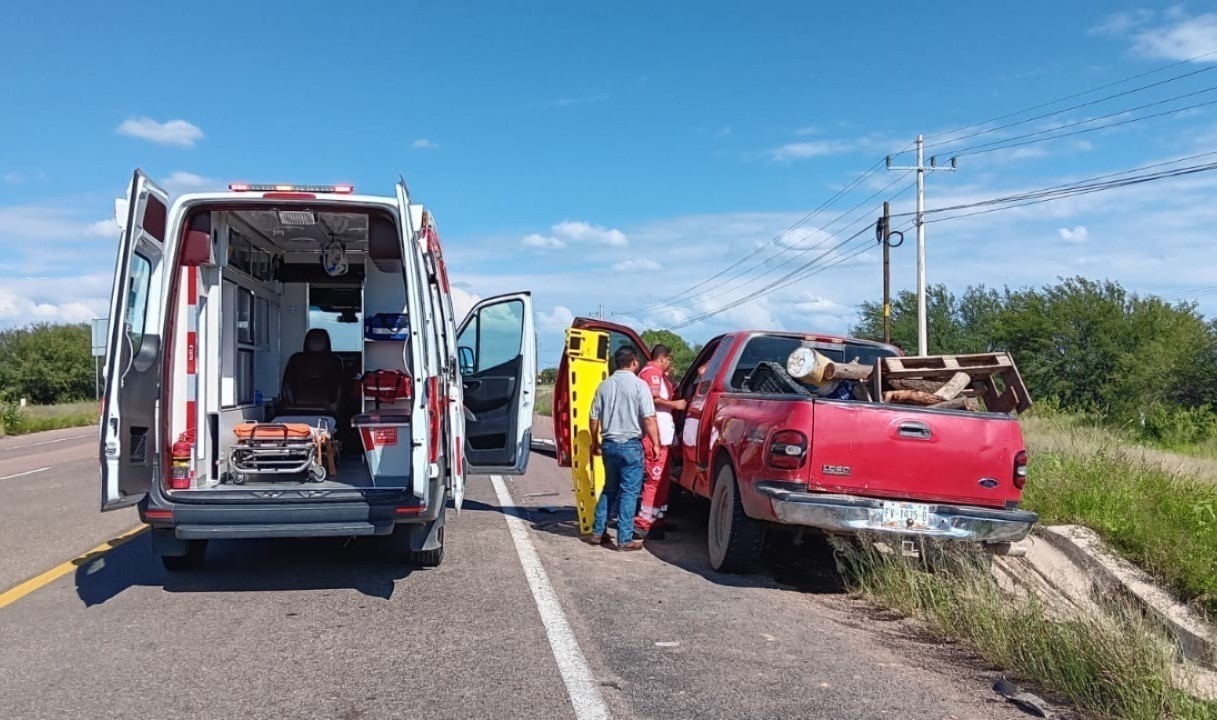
x,y
31,222
570,231
462,302
821,305
580,100
172,132
544,242
558,319
424,144
809,149
14,178
1078,234
808,130
592,234
53,299
1172,35
181,182
1122,22
104,228
637,265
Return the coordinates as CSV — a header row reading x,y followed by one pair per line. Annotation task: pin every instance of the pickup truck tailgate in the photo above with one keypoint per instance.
x,y
892,451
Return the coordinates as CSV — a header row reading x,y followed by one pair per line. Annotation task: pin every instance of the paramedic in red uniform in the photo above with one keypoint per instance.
x,y
655,483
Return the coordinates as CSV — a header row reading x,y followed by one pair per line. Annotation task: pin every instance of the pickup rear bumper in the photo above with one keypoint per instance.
x,y
850,514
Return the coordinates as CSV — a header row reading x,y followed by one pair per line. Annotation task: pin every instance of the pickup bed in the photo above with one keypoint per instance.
x,y
836,466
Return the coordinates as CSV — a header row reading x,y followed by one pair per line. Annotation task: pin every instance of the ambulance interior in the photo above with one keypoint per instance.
x,y
294,305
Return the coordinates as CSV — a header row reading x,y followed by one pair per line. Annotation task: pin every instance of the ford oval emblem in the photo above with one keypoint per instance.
x,y
989,483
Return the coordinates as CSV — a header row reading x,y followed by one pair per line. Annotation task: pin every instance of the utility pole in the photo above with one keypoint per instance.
x,y
884,233
921,168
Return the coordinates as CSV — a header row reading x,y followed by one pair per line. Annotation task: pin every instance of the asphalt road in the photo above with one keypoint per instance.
x,y
332,629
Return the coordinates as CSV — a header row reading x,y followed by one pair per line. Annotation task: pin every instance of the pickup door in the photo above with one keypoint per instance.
x,y
914,454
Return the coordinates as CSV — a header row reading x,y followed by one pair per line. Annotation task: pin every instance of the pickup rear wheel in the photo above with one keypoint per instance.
x,y
733,539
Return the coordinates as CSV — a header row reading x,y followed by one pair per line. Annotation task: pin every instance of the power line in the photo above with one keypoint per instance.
x,y
1060,187
807,268
1073,107
1006,143
688,292
1083,93
692,301
1071,192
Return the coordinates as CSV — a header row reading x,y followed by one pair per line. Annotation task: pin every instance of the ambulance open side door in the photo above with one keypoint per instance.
x,y
497,357
130,434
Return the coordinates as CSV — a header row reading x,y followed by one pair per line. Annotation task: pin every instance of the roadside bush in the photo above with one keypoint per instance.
x,y
1164,522
1177,427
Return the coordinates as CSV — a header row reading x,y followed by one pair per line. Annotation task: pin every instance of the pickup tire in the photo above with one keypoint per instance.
x,y
733,539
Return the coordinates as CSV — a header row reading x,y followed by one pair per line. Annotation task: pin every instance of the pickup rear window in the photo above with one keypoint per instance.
x,y
776,348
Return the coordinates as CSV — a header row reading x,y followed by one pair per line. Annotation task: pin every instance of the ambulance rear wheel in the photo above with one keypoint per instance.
x,y
430,558
196,550
733,539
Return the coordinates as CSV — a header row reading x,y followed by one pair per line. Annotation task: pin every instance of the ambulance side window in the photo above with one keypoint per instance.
x,y
137,300
493,337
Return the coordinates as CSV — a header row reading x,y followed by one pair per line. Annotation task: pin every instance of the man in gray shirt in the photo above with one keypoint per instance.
x,y
622,411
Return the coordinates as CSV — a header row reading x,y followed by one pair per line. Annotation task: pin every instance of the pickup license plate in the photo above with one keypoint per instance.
x,y
906,516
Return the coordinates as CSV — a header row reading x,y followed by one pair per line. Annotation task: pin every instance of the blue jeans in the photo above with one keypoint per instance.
x,y
623,471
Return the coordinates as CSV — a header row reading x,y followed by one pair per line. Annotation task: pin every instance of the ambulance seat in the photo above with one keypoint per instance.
x,y
313,380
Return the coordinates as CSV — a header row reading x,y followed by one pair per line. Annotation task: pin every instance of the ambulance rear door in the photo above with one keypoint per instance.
x,y
497,358
130,434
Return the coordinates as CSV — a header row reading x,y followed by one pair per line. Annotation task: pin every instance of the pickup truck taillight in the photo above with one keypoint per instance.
x,y
1020,469
787,450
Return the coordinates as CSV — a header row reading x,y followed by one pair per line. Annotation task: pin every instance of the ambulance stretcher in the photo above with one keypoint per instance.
x,y
283,447
587,365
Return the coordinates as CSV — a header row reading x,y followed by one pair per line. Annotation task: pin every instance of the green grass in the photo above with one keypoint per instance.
x,y
37,418
1116,665
545,400
1163,521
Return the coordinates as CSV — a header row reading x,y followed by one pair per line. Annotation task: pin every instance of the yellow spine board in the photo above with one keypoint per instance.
x,y
587,366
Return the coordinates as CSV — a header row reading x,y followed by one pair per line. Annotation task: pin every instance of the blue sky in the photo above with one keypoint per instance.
x,y
611,154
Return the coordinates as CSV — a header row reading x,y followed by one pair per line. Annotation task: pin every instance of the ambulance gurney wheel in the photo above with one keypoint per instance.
x,y
733,539
317,473
236,478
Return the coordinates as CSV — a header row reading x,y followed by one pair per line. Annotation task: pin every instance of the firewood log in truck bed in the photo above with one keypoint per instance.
x,y
941,381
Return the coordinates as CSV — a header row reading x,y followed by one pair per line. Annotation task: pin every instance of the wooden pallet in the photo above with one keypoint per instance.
x,y
983,368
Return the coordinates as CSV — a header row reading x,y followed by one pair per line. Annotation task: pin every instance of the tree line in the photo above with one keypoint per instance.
x,y
1081,345
46,364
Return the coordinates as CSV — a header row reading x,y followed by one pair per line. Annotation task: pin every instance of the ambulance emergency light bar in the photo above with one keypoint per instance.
x,y
337,189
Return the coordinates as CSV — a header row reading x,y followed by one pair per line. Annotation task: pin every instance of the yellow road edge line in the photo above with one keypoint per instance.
x,y
15,593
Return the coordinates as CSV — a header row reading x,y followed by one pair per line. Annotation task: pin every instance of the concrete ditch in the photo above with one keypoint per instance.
x,y
1073,571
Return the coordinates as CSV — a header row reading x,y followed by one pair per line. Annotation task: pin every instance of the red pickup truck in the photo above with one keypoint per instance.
x,y
837,466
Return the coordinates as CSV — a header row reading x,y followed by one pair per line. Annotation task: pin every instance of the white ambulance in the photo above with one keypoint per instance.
x,y
283,361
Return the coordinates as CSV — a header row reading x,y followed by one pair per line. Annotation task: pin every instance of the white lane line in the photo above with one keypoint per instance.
x,y
572,665
23,474
47,442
